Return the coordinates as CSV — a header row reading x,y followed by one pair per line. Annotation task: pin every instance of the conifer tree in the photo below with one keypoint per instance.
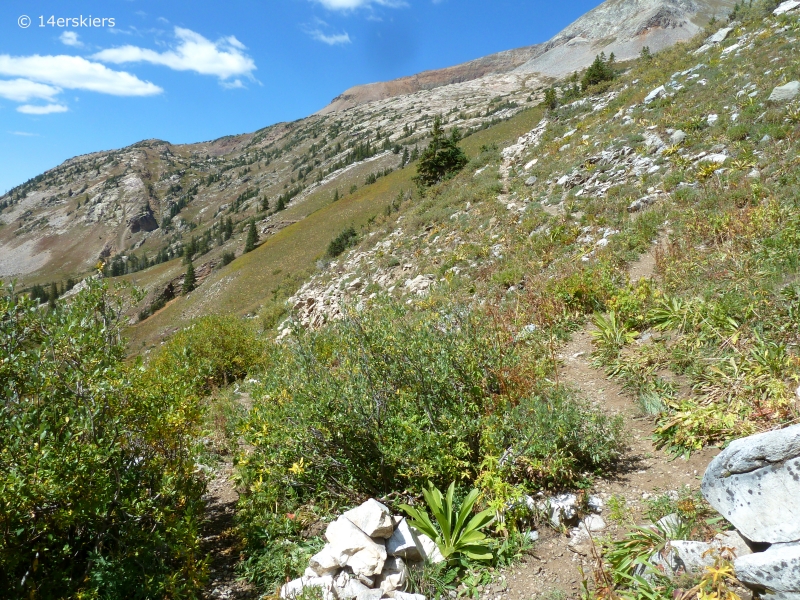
x,y
252,237
189,279
442,158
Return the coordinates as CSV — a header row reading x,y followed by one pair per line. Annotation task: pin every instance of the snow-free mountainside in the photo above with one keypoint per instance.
x,y
523,328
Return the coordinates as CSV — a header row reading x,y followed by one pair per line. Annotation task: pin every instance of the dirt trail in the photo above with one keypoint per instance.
x,y
553,571
220,542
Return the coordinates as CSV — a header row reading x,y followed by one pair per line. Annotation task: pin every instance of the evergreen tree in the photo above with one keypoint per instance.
x,y
53,296
336,195
551,99
600,70
405,159
264,203
442,158
252,237
189,279
281,204
228,229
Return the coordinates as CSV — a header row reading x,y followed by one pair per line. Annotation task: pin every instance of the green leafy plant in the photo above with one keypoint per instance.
x,y
455,536
611,334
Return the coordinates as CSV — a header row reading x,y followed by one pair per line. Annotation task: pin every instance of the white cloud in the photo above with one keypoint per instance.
x,y
29,109
24,133
331,40
70,38
74,72
353,4
224,58
24,90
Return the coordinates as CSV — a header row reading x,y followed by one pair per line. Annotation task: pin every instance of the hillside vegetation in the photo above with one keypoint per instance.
x,y
425,347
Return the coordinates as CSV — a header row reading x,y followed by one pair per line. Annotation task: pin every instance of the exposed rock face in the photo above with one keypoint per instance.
x,y
755,484
502,62
623,27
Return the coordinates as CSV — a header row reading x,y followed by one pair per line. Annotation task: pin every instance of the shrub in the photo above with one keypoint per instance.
x,y
98,495
342,242
211,352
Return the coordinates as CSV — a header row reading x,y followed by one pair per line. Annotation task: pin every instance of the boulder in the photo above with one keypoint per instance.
x,y
531,180
327,561
785,7
677,138
404,543
719,36
372,517
777,569
428,548
733,543
581,537
785,93
755,484
655,94
684,556
407,596
561,508
295,588
364,555
393,577
369,594
347,587
715,158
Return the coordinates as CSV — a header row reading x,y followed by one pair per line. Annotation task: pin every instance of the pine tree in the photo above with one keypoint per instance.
x,y
189,279
228,229
53,296
550,99
252,237
442,158
336,195
600,70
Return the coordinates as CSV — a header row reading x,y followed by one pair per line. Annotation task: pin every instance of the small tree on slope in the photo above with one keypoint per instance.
x,y
442,158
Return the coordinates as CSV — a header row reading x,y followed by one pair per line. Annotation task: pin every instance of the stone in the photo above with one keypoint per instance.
x,y
670,525
677,138
655,94
754,174
373,518
531,180
295,588
561,508
404,543
365,556
719,36
653,142
776,569
784,93
428,548
581,536
407,596
712,120
684,556
394,575
755,482
327,561
347,587
715,158
785,7
369,594
733,542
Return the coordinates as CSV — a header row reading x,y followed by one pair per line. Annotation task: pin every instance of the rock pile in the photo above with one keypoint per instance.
x,y
755,485
366,557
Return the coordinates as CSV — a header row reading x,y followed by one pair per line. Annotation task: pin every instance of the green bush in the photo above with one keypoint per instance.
x,y
212,352
342,242
98,495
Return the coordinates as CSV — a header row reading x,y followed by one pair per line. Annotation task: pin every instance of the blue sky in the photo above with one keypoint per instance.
x,y
194,71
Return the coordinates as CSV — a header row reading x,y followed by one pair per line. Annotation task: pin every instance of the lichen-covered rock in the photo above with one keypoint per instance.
x,y
755,484
785,93
777,569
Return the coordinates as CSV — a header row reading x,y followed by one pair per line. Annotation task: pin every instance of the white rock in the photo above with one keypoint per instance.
x,y
719,36
531,180
655,94
295,588
677,138
778,569
407,596
715,158
594,523
393,577
755,483
785,7
327,561
595,504
404,543
684,556
733,542
369,594
784,93
373,518
348,587
561,508
712,119
365,556
670,525
428,548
